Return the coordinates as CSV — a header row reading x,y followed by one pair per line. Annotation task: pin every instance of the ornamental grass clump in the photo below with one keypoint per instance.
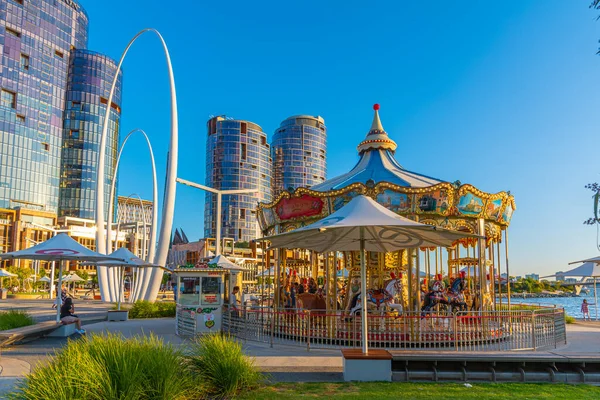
x,y
111,367
14,319
222,366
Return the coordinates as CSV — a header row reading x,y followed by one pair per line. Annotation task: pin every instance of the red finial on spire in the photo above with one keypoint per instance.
x,y
376,106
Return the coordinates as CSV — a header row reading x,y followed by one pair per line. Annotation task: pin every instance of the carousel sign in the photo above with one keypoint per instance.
x,y
303,206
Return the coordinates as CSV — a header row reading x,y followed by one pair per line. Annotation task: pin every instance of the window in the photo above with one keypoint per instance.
x,y
243,151
74,134
263,140
58,53
24,62
19,1
13,32
20,118
45,146
244,128
9,99
242,213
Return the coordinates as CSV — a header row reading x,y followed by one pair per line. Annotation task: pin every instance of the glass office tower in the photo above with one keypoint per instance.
x,y
237,157
299,153
88,88
36,38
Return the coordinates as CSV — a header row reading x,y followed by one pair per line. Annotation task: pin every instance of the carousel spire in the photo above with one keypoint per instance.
x,y
377,138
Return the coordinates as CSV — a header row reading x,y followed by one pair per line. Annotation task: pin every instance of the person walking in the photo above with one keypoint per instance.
x,y
585,310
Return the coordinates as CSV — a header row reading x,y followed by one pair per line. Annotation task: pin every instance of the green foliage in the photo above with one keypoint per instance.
x,y
222,366
147,309
569,319
111,367
242,245
14,319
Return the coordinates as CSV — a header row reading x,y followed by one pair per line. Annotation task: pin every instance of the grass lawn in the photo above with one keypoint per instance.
x,y
14,319
397,390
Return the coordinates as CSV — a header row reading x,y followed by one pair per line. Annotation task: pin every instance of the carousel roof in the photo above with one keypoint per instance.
x,y
377,163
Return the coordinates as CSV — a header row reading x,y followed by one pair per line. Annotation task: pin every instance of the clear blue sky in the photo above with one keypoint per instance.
x,y
501,95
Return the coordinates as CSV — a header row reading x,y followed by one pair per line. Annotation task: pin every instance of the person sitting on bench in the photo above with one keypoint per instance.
x,y
67,315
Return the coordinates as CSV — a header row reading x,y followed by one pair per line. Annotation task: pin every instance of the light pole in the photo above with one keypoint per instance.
x,y
219,194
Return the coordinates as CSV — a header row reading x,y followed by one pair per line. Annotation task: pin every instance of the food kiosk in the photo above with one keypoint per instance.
x,y
201,293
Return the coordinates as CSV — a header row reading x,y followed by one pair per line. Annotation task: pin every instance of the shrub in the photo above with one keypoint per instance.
x,y
569,319
147,309
222,366
14,319
111,367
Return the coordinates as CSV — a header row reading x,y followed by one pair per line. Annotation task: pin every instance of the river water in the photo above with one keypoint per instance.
x,y
572,305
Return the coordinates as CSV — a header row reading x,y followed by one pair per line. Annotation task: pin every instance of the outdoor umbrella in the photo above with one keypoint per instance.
x,y
58,248
271,272
222,262
124,258
5,274
363,224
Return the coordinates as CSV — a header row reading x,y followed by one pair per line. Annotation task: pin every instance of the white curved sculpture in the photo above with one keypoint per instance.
x,y
112,273
169,200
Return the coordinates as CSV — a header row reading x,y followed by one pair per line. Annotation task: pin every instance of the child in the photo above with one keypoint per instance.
x,y
585,310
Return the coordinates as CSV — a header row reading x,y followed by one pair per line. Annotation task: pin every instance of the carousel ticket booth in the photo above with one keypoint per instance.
x,y
200,299
202,291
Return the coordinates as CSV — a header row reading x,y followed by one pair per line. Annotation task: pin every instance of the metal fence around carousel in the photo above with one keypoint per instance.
x,y
541,328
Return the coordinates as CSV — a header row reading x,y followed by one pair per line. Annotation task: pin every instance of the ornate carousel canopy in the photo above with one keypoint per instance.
x,y
410,194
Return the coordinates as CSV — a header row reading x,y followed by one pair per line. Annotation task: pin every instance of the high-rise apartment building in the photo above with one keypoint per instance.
x,y
299,153
88,88
237,157
52,98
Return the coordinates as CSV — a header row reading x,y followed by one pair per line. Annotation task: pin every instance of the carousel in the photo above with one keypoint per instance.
x,y
411,290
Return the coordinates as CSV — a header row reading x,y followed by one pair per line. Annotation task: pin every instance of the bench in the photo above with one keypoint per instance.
x,y
374,366
14,335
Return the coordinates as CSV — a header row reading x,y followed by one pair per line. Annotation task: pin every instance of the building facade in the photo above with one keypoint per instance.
x,y
133,215
299,153
36,38
90,76
45,71
237,157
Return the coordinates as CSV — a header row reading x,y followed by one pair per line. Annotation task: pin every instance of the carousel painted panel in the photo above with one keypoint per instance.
x,y
470,204
396,202
340,201
493,209
305,206
508,212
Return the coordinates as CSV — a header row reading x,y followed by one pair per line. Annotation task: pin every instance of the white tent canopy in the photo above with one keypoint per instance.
x,y
5,274
73,278
585,270
383,230
222,262
592,260
45,279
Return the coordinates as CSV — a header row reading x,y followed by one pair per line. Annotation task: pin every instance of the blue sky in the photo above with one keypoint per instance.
x,y
501,95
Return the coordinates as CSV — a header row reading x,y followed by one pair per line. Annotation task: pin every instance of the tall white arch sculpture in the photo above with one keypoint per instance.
x,y
169,199
112,273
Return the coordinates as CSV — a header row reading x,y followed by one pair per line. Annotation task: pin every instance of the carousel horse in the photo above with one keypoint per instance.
x,y
379,298
453,297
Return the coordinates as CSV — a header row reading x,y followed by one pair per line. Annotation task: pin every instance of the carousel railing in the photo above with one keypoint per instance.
x,y
463,331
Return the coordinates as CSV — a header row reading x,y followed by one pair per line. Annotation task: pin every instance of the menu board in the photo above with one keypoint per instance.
x,y
211,290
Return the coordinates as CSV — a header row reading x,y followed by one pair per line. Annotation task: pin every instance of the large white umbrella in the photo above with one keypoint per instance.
x,y
122,258
58,248
589,269
223,262
590,260
45,279
363,224
73,278
5,274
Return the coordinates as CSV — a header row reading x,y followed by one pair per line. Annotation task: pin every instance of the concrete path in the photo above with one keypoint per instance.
x,y
41,310
281,362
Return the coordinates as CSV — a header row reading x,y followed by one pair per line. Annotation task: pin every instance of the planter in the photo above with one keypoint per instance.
x,y
25,296
118,315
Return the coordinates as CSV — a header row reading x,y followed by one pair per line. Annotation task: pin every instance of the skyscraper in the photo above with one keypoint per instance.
x,y
237,157
90,77
36,38
53,93
299,153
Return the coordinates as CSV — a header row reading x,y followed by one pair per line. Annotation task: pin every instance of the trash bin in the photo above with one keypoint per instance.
x,y
3,293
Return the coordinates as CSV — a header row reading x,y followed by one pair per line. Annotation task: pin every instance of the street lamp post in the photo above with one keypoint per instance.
x,y
219,194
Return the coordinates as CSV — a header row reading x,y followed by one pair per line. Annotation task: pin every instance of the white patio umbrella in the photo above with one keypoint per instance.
x,y
58,248
223,262
271,272
45,279
5,274
363,224
122,258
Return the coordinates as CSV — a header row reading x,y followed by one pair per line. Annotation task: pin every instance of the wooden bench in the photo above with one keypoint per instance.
x,y
11,336
376,365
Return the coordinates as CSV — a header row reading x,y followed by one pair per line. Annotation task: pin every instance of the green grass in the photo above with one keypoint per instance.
x,y
454,391
14,319
222,366
110,368
147,309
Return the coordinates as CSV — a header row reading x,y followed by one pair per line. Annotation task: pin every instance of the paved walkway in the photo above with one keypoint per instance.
x,y
41,309
283,363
